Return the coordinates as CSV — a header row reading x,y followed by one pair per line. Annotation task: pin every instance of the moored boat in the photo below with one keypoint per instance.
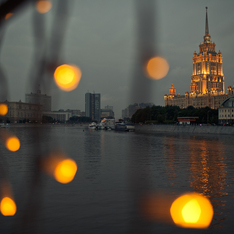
x,y
130,127
93,125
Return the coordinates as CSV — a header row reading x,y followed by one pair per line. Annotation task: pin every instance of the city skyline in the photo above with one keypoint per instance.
x,y
101,39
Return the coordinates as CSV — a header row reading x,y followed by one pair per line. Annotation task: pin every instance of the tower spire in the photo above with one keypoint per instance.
x,y
207,35
207,27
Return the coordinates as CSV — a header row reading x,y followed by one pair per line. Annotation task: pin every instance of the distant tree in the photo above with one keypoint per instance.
x,y
79,119
47,119
169,114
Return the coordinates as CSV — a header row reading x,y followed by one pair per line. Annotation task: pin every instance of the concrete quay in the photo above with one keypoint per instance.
x,y
193,129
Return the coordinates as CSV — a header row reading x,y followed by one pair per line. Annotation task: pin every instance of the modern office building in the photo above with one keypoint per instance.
x,y
38,98
93,106
207,80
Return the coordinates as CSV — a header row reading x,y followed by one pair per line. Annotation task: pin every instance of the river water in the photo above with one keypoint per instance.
x,y
115,170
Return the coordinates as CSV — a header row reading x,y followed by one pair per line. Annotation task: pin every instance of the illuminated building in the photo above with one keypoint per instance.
x,y
207,80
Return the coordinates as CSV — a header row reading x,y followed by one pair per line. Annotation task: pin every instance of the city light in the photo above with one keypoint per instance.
x,y
67,77
8,206
3,109
8,15
43,6
60,167
192,211
12,143
65,171
157,68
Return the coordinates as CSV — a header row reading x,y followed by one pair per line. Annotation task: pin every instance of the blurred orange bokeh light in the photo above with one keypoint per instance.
x,y
8,206
12,143
3,109
65,171
157,68
192,211
67,77
8,15
43,6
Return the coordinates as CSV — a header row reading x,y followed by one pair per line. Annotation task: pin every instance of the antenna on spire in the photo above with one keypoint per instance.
x,y
207,28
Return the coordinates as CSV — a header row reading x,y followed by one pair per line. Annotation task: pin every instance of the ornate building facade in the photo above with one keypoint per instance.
x,y
207,80
21,111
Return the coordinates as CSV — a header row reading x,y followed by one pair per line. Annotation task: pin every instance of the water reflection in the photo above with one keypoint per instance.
x,y
92,155
171,159
208,172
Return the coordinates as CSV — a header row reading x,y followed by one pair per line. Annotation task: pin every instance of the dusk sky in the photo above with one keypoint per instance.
x,y
101,39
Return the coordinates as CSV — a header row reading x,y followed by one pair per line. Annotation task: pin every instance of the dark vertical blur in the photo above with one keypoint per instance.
x,y
146,49
141,92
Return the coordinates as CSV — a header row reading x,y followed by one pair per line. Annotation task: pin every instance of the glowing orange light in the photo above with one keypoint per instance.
x,y
67,77
8,206
60,167
8,15
12,143
65,171
3,109
157,68
192,211
43,6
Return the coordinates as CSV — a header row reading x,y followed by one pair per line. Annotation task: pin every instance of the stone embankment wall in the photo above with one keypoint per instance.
x,y
196,129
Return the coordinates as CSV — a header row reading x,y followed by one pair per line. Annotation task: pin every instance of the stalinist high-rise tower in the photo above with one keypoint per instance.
x,y
207,74
207,80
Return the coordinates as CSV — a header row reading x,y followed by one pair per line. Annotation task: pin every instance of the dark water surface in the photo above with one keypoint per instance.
x,y
114,170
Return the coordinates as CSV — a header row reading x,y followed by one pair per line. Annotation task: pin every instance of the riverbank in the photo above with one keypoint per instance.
x,y
194,129
25,125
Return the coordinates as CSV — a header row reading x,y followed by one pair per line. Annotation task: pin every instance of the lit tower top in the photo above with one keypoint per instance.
x,y
207,73
207,35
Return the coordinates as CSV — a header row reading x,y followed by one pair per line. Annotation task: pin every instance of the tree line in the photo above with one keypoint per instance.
x,y
169,114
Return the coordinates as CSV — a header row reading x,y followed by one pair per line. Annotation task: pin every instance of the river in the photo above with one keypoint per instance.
x,y
115,171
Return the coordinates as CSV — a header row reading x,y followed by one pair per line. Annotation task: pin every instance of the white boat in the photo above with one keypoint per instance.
x,y
127,127
109,124
100,126
93,125
130,127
